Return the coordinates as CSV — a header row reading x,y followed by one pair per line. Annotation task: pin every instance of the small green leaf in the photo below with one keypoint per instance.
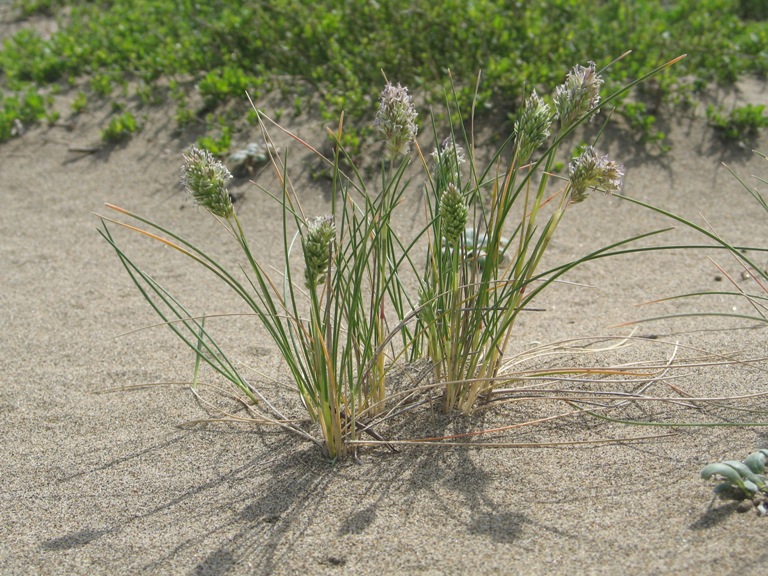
x,y
749,486
756,461
740,467
721,469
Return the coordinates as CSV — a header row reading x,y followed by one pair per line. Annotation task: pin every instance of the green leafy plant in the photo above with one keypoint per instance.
x,y
101,85
19,110
643,125
742,479
32,7
742,123
120,128
217,146
338,58
222,84
80,103
183,114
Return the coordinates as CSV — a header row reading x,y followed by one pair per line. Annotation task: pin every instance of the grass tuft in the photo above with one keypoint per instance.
x,y
345,313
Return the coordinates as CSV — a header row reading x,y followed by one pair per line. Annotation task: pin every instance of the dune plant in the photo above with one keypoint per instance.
x,y
343,321
328,326
223,48
120,128
743,123
742,479
477,280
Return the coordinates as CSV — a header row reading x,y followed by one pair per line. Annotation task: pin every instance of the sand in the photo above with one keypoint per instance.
x,y
96,483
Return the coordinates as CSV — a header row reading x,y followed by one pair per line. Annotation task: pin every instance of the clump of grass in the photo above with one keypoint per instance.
x,y
330,319
477,280
348,317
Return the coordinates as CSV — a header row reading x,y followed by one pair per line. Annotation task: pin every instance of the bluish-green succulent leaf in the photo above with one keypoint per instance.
x,y
721,469
474,240
724,488
749,486
756,462
743,470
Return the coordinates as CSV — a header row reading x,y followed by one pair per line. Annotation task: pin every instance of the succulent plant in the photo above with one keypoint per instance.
x,y
745,478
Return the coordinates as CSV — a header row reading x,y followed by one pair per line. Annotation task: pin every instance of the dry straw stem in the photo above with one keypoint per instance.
x,y
640,376
652,373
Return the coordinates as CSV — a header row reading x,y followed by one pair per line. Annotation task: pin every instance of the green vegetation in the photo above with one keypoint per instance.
x,y
742,123
331,54
80,103
120,128
742,479
349,315
643,124
24,107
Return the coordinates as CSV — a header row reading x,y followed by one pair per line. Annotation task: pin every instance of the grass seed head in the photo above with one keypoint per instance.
x,y
447,162
589,170
453,213
532,127
317,250
396,119
578,95
205,178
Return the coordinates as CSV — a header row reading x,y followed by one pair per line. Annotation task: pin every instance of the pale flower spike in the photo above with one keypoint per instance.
x,y
205,178
447,162
396,119
593,171
532,127
578,95
450,151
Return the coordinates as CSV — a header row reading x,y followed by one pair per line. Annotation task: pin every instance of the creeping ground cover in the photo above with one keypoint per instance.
x,y
325,57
